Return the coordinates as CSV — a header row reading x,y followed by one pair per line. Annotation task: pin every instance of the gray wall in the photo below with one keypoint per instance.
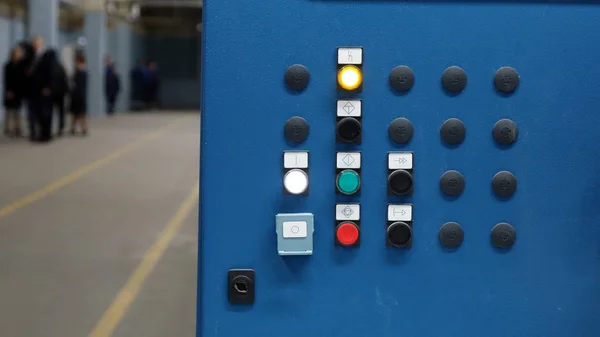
x,y
67,37
179,65
178,61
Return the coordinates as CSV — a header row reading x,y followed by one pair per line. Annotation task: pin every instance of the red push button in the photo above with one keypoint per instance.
x,y
347,233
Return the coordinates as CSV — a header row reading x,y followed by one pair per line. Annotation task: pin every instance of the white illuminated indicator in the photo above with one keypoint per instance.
x,y
295,181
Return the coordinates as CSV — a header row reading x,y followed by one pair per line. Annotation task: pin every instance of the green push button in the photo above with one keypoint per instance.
x,y
348,182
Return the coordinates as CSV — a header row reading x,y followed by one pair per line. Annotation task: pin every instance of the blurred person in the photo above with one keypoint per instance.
x,y
112,87
60,89
14,86
79,96
28,52
138,85
153,85
39,91
29,56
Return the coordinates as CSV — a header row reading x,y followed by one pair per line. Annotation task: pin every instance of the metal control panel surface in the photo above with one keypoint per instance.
x,y
453,192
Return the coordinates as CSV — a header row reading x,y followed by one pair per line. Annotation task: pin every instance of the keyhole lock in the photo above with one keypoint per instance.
x,y
241,285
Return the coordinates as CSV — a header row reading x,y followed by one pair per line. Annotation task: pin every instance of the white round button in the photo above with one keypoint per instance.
x,y
295,181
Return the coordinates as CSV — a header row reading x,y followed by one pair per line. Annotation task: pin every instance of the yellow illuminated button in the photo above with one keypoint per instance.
x,y
349,77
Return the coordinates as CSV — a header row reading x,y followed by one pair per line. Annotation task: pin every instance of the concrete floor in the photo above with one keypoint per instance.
x,y
78,218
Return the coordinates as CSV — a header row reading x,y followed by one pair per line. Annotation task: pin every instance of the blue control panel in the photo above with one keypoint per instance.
x,y
400,168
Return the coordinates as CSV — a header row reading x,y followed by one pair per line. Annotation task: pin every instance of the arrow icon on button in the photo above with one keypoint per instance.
x,y
402,212
347,211
348,160
348,107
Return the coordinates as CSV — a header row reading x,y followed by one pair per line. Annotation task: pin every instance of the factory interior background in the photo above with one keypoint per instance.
x,y
166,31
99,228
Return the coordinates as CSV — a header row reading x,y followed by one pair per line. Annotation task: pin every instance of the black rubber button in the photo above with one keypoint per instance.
x,y
297,77
504,184
451,234
348,129
454,79
505,131
400,182
400,130
452,183
506,79
296,129
503,235
402,78
453,131
399,234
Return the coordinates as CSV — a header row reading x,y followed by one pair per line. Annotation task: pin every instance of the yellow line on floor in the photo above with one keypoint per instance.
x,y
127,295
82,171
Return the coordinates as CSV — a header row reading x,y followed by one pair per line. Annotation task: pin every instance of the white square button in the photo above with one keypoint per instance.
x,y
350,55
400,212
349,108
400,160
347,212
294,229
295,159
348,160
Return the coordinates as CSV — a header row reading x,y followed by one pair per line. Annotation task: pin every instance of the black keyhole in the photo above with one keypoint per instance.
x,y
241,286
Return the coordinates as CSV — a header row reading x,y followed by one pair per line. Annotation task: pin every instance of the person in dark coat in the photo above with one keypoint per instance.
x,y
13,93
138,85
39,91
153,86
28,54
113,87
60,89
79,96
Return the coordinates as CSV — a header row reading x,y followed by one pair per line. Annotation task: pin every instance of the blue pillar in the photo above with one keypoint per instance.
x,y
124,62
95,51
200,41
43,20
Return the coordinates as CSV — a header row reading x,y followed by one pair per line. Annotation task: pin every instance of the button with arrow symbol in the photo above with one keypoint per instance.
x,y
400,212
346,160
349,108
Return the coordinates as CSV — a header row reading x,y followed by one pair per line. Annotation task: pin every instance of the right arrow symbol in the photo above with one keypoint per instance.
x,y
402,211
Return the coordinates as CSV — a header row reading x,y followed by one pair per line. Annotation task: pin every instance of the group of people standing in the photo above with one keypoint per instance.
x,y
35,76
